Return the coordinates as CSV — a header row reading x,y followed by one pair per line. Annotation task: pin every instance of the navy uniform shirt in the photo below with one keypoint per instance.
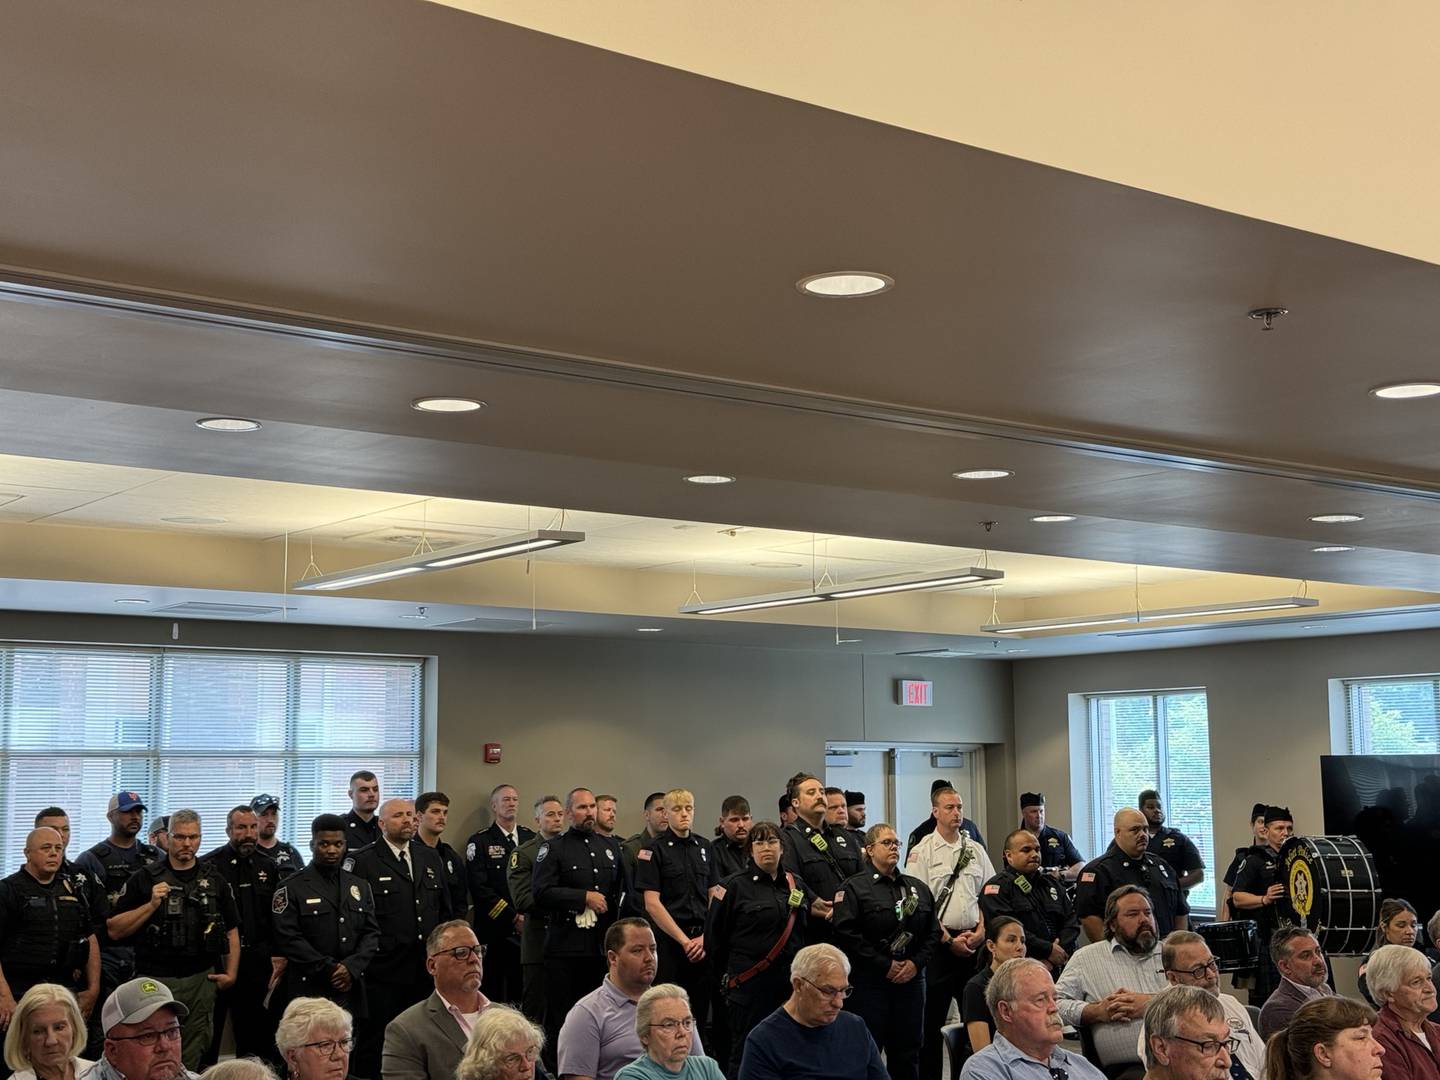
x,y
566,868
682,870
881,919
1177,849
287,857
202,899
487,867
1258,872
1238,861
730,859
455,878
44,931
407,907
824,857
252,882
745,922
1104,875
1057,849
1041,905
360,833
320,918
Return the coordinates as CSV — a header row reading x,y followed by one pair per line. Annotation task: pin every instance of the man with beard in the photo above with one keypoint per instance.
x,y
252,876
1128,861
1028,1029
1303,971
820,853
732,843
142,1022
578,882
605,814
1186,1037
287,856
1022,892
1189,962
182,916
855,809
425,1041
1172,845
1108,983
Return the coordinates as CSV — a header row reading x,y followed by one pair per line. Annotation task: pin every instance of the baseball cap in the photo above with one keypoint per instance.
x,y
126,800
136,1001
261,803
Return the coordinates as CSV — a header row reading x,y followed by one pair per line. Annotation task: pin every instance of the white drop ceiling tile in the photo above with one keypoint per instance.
x,y
21,504
70,475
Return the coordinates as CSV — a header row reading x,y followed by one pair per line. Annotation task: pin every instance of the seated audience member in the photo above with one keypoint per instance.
x,y
46,1035
1189,962
1400,981
665,1024
1303,971
246,1068
1028,1030
504,1045
142,1024
1186,1036
1399,925
1327,1039
1108,983
598,1035
426,1040
315,1037
1004,940
810,1037
1432,935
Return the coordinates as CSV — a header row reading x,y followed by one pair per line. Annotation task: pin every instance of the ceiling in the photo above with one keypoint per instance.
x,y
350,208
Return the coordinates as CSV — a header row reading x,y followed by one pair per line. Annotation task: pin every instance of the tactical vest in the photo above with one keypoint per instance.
x,y
189,920
118,869
51,930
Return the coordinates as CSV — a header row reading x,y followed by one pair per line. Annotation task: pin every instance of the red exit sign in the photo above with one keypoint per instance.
x,y
915,692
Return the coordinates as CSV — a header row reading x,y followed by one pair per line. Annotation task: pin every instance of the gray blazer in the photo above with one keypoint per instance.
x,y
423,1043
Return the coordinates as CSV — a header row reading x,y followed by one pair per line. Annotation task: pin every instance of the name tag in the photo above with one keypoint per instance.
x,y
385,879
312,899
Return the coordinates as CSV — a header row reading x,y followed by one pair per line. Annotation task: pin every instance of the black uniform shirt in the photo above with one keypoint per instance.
x,y
360,833
746,921
322,917
1238,861
408,905
153,954
1177,849
454,876
1041,905
824,857
487,866
1057,849
566,868
287,857
42,928
730,859
881,919
252,882
1104,875
682,870
1258,872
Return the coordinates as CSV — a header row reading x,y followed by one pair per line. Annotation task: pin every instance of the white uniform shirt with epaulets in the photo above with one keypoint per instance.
x,y
933,860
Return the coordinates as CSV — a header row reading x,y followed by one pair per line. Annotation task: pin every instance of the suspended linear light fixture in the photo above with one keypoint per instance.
x,y
830,591
1075,622
499,547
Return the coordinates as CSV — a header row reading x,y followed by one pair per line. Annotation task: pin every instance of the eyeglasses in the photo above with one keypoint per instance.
x,y
327,1047
149,1038
1210,1047
526,1058
672,1025
462,952
831,991
1199,970
892,842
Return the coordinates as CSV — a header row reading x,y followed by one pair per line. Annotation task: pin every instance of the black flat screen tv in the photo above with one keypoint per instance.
x,y
1391,803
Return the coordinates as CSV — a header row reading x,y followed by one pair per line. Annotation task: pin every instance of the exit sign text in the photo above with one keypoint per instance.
x,y
914,692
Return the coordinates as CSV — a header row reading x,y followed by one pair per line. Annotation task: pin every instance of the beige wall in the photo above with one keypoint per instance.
x,y
620,716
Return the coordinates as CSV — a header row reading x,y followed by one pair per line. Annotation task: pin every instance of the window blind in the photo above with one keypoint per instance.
x,y
198,729
1393,716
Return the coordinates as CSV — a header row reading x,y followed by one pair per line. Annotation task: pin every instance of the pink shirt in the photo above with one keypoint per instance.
x,y
461,1018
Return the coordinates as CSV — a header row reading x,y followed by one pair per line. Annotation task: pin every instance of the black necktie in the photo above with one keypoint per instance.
x,y
405,865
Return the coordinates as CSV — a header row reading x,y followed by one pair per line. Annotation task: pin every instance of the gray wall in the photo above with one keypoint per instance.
x,y
620,716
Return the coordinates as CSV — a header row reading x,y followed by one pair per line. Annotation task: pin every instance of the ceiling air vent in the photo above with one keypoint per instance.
x,y
493,626
195,609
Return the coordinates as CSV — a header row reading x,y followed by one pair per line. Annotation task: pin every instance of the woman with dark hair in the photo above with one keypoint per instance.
x,y
1004,940
755,926
1399,925
1327,1039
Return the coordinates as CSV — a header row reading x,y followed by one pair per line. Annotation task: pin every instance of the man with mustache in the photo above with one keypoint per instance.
x,y
1186,1037
1128,861
1108,983
1189,962
1303,971
1023,891
1028,1029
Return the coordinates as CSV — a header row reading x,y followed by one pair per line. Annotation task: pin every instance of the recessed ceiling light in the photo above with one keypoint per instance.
x,y
1336,519
845,284
188,520
447,404
227,423
1330,549
710,478
1052,519
983,474
1406,390
135,600
649,629
777,565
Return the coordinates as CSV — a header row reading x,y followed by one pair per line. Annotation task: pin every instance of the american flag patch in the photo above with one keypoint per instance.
x,y
1087,877
992,890
643,853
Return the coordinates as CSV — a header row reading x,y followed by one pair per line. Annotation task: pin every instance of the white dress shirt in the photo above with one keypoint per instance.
x,y
933,860
1095,972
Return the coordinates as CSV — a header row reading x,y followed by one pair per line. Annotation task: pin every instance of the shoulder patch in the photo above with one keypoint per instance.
x,y
280,901
470,851
514,859
539,855
1087,876
644,853
719,892
992,890
349,864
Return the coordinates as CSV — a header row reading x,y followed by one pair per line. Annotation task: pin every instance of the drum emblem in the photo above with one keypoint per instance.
x,y
1302,888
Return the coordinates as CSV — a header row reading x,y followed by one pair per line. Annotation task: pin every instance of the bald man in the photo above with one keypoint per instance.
x,y
46,928
1127,862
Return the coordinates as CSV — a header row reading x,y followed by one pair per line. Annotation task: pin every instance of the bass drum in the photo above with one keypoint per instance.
x,y
1332,890
1235,945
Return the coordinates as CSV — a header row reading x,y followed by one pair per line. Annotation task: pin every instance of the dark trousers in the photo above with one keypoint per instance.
x,y
671,966
503,979
745,1008
895,1016
244,1004
532,1004
945,977
567,980
387,999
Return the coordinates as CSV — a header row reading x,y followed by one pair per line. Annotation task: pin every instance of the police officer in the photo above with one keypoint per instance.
x,y
885,923
362,827
411,899
578,881
1128,862
754,929
549,821
653,812
496,920
323,919
1172,845
182,918
732,840
824,856
1259,889
432,814
1037,900
93,889
287,856
252,876
676,877
1058,854
46,931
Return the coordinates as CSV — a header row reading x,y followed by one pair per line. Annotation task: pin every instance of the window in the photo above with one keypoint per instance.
x,y
1393,716
198,729
1157,740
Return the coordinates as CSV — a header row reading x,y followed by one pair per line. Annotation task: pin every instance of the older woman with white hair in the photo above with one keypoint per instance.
x,y
504,1045
666,1026
1399,979
315,1038
246,1068
46,1035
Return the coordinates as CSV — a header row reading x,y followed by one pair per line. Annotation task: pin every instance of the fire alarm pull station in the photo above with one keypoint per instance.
x,y
492,753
